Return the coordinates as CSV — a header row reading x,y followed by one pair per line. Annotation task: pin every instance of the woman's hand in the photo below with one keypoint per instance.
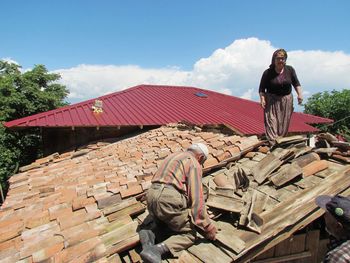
x,y
300,100
262,102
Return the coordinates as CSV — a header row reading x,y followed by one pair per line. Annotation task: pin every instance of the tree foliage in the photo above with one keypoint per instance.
x,y
334,105
23,94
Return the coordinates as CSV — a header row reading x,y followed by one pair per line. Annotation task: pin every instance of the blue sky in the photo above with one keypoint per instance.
x,y
104,46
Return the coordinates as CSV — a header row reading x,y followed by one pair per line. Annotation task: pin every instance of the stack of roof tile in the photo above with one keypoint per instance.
x,y
81,205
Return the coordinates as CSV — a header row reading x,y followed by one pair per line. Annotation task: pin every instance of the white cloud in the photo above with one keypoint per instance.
x,y
90,81
10,60
235,70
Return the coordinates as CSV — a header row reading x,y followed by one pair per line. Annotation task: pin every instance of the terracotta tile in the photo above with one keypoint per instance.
x,y
138,154
9,257
17,178
93,212
12,243
123,181
81,189
81,202
39,219
77,234
264,149
40,232
233,150
146,185
314,167
67,195
10,232
249,155
113,187
6,213
78,250
109,200
18,184
29,247
217,144
132,183
211,161
131,191
79,216
47,252
58,210
6,223
207,135
95,192
225,155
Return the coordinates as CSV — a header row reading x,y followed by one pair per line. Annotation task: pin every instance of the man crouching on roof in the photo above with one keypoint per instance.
x,y
176,203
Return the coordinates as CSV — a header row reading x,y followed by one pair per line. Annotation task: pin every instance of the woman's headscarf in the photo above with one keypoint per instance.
x,y
274,55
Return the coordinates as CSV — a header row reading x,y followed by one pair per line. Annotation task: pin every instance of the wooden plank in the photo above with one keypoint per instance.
x,y
123,245
309,182
119,234
322,249
225,203
326,172
267,254
286,233
283,248
312,241
293,211
297,245
130,210
288,258
286,173
135,257
207,252
283,194
186,257
226,237
119,206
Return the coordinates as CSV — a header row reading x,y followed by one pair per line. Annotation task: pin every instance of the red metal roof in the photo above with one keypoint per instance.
x,y
158,105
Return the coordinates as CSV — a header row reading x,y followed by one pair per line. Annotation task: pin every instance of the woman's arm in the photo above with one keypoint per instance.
x,y
300,94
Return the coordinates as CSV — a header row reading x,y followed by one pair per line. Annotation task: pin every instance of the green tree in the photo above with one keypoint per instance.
x,y
23,94
334,105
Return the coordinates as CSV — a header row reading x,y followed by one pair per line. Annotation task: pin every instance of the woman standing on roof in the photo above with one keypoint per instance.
x,y
276,98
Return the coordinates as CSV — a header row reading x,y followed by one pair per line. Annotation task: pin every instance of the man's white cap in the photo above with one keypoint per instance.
x,y
201,147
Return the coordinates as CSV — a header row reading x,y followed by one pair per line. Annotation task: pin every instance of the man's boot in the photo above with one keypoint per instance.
x,y
147,238
153,254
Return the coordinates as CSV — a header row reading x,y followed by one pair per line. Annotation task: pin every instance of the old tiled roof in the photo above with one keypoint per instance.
x,y
86,205
160,105
77,205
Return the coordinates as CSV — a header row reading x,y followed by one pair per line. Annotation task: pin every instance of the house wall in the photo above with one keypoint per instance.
x,y
308,247
63,139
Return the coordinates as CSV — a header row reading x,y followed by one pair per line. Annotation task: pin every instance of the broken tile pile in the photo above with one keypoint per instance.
x,y
80,206
252,189
253,184
330,147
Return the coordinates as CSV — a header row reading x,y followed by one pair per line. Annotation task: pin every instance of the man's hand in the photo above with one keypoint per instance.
x,y
211,233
